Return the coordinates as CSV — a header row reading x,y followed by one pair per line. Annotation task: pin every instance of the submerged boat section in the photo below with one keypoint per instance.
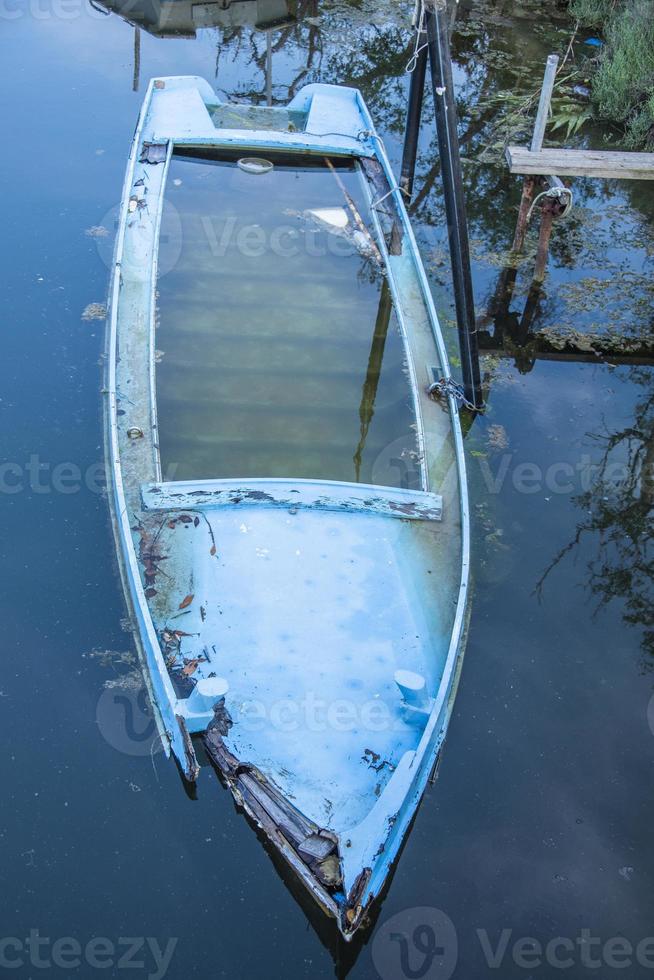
x,y
289,501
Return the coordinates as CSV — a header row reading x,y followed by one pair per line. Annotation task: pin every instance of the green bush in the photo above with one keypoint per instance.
x,y
623,84
592,13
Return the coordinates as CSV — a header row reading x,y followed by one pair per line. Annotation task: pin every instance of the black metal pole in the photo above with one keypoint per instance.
x,y
448,145
414,113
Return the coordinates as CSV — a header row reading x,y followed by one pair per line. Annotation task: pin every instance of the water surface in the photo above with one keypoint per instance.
x,y
540,821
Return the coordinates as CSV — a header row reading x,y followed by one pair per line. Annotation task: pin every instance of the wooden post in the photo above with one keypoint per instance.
x,y
544,103
536,146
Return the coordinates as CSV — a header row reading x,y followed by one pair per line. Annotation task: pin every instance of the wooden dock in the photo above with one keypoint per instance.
x,y
581,163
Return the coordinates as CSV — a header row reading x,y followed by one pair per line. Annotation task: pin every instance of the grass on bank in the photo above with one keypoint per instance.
x,y
623,82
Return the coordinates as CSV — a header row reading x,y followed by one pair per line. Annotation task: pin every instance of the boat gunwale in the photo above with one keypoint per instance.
x,y
165,714
435,730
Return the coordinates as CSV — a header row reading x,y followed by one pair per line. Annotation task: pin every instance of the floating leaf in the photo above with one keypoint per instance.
x,y
186,601
190,667
149,593
212,549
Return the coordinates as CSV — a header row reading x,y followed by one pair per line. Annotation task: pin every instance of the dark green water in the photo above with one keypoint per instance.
x,y
540,822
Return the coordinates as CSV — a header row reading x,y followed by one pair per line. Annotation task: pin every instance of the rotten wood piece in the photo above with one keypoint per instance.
x,y
312,851
192,769
581,163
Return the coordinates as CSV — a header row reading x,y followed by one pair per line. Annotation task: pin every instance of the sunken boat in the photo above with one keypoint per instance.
x,y
288,494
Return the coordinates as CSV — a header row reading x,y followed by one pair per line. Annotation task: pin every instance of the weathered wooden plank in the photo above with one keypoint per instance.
x,y
581,163
417,505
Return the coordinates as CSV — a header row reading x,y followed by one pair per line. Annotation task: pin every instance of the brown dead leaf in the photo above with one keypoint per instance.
x,y
190,667
186,601
212,549
149,593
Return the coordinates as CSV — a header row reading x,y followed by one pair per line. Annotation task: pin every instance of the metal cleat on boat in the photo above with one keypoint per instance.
x,y
416,703
198,707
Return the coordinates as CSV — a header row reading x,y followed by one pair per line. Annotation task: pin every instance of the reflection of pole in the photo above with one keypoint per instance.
x,y
414,113
448,145
137,59
269,68
373,372
546,221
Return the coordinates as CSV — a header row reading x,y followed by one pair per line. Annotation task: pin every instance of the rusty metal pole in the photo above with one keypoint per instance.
x,y
448,146
548,211
523,212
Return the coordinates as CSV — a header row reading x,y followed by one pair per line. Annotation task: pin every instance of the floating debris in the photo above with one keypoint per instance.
x,y
97,231
95,311
497,437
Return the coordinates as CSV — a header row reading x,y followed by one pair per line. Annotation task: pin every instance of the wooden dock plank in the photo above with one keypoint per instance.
x,y
581,163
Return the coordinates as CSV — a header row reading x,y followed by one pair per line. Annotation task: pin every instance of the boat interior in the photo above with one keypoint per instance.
x,y
292,487
293,555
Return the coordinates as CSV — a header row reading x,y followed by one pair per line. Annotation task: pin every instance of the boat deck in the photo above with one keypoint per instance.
x,y
307,614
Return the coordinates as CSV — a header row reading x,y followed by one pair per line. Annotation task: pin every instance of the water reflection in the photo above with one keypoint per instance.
x,y
239,23
184,18
617,529
487,844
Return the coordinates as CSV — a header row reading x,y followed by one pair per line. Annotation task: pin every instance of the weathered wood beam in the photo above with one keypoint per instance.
x,y
581,163
567,357
541,347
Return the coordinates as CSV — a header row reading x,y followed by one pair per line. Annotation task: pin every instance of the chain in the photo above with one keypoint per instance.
x,y
448,386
